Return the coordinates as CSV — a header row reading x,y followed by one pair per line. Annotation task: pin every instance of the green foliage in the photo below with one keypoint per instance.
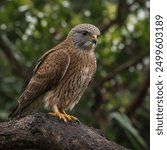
x,y
30,27
132,134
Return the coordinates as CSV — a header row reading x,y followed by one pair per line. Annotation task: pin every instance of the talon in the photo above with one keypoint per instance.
x,y
69,117
63,116
59,115
74,118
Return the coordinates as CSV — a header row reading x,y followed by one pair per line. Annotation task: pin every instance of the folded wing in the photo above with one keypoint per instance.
x,y
48,73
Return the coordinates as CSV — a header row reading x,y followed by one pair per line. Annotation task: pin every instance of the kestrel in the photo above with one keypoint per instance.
x,y
62,74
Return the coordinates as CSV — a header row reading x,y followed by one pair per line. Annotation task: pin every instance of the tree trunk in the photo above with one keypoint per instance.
x,y
43,131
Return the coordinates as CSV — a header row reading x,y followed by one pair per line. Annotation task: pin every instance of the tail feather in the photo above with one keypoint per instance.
x,y
14,113
22,110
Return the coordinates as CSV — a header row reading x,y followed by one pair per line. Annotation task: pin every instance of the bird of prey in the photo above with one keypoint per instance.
x,y
61,75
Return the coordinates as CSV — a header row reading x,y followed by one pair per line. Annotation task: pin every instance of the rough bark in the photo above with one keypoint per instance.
x,y
43,131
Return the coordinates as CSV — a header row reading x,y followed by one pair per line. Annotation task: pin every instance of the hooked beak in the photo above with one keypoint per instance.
x,y
94,39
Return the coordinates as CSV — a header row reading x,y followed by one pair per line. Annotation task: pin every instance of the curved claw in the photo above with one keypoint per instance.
x,y
63,116
59,115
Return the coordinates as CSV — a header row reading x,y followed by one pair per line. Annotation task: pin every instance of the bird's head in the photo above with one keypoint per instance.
x,y
84,36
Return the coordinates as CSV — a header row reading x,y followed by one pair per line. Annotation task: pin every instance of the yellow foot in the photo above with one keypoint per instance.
x,y
70,117
63,116
59,115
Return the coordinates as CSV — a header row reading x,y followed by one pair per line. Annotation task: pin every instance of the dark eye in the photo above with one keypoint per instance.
x,y
85,33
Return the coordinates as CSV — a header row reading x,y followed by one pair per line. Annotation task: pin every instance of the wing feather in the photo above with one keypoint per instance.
x,y
48,72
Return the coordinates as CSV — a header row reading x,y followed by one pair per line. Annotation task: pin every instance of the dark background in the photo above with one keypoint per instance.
x,y
117,101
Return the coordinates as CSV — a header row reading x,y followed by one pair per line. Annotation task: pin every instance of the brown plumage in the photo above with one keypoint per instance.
x,y
62,74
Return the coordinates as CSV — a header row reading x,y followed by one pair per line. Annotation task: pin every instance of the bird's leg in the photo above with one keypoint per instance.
x,y
69,117
60,115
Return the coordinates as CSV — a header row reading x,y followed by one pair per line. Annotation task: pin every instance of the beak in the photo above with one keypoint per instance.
x,y
94,39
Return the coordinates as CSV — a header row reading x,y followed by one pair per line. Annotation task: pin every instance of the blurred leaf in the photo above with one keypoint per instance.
x,y
131,132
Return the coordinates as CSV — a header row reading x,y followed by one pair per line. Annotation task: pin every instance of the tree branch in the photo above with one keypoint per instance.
x,y
122,67
15,66
43,131
121,15
99,85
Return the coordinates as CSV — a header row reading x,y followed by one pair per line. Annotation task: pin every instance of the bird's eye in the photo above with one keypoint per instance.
x,y
84,33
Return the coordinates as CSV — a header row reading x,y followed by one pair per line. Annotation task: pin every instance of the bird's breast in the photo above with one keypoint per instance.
x,y
85,66
85,74
75,81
